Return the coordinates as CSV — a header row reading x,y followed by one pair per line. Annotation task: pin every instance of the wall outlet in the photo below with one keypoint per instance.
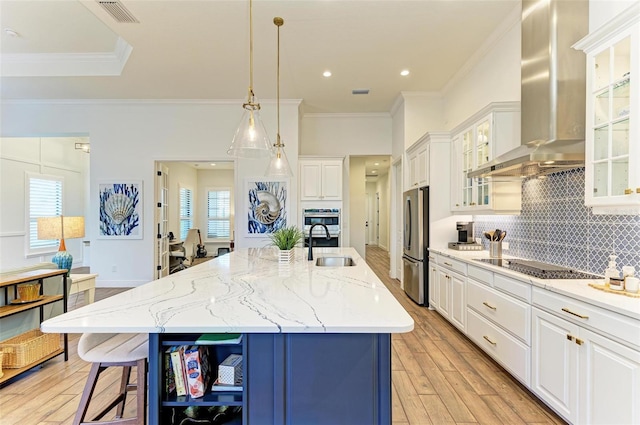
x,y
505,245
114,268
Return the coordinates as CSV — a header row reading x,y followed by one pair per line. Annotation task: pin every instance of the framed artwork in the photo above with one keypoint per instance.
x,y
266,205
120,210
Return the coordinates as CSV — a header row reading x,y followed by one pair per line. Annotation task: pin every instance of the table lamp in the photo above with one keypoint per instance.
x,y
61,227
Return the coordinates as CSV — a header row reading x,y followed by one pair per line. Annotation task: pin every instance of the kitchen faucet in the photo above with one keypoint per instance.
x,y
326,229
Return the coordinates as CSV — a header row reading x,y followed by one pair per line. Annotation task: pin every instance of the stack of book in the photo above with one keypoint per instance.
x,y
188,368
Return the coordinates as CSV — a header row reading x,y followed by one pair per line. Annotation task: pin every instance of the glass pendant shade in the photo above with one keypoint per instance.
x,y
251,139
279,164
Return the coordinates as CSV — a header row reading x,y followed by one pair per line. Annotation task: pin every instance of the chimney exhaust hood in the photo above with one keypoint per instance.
x,y
553,92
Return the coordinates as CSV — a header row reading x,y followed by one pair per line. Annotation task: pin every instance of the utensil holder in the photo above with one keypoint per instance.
x,y
495,249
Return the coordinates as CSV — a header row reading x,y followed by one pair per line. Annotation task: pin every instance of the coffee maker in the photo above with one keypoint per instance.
x,y
465,231
466,241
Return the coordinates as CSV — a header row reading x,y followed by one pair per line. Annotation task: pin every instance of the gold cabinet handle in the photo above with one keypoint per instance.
x,y
579,341
472,204
637,189
566,310
489,305
628,191
457,205
448,264
570,337
489,340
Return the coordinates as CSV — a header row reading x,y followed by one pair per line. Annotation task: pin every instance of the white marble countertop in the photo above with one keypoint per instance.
x,y
575,288
247,291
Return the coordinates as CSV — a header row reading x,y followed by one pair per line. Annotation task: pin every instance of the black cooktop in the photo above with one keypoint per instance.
x,y
538,269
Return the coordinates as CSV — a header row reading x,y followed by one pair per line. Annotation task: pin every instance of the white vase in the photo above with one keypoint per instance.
x,y
285,256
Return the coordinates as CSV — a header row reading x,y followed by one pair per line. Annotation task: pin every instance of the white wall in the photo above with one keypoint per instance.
x,y
128,137
357,195
422,113
345,134
601,11
51,156
382,187
492,77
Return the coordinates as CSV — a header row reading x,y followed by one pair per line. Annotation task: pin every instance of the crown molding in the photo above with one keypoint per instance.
x,y
67,64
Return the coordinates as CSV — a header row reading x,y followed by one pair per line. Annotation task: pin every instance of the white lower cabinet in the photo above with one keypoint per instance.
x,y
555,363
451,291
580,359
583,375
433,283
514,355
444,293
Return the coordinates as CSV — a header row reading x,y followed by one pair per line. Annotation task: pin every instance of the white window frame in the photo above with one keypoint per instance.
x,y
48,247
222,218
190,214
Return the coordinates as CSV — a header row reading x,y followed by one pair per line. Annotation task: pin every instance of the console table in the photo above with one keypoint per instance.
x,y
84,283
10,308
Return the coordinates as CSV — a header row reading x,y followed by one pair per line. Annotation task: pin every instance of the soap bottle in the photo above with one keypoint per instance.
x,y
611,270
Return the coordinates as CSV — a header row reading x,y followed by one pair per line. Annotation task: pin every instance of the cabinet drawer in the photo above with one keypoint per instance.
x,y
504,348
509,313
481,275
514,287
598,319
451,264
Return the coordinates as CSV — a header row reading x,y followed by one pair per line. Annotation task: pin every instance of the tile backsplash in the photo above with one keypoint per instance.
x,y
555,227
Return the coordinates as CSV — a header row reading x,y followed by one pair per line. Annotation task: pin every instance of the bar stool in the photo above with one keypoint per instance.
x,y
107,350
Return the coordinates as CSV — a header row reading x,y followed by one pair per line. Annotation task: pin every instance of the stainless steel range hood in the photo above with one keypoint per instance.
x,y
553,91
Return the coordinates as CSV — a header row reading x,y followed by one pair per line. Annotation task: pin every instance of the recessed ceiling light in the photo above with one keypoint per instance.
x,y
11,33
326,74
213,165
374,171
376,163
404,72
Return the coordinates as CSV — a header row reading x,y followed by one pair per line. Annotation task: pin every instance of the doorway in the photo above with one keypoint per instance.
x,y
192,195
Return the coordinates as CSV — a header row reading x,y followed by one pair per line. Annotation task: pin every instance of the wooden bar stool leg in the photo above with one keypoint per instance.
x,y
124,383
141,391
89,387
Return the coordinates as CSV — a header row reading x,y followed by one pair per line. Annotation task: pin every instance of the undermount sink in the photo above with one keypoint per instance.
x,y
335,262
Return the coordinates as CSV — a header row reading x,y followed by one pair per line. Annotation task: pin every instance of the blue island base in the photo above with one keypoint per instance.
x,y
294,379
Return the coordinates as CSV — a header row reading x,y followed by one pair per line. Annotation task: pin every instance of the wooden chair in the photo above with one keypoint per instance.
x,y
108,350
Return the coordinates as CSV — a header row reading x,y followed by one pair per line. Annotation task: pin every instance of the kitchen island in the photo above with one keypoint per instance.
x,y
316,340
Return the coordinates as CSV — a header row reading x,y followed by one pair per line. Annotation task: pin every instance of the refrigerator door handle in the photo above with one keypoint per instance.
x,y
407,225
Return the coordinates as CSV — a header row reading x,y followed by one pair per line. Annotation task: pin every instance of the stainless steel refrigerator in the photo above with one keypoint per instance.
x,y
415,243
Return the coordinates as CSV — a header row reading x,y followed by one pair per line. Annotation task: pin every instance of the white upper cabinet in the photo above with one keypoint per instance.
x,y
487,134
417,174
320,180
612,157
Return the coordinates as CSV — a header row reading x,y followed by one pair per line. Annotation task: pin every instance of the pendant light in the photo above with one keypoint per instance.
x,y
251,139
279,165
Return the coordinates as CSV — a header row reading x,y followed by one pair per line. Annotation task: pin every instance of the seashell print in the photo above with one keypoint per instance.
x,y
268,209
118,207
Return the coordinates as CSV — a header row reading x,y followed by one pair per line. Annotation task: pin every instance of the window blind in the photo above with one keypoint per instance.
x,y
218,214
45,200
186,211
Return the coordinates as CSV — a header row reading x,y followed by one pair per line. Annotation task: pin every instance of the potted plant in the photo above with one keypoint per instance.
x,y
286,238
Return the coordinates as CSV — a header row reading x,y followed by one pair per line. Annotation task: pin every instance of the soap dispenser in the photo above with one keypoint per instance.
x,y
611,270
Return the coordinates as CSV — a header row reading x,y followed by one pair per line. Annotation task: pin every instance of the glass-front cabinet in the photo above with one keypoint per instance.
x,y
612,136
490,132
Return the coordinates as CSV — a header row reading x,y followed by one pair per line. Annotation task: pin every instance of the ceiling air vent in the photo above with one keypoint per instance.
x,y
360,91
118,11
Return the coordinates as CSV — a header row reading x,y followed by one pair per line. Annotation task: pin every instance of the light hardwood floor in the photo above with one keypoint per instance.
x,y
439,377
